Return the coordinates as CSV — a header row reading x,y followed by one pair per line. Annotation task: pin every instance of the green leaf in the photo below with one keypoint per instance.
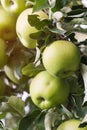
x,y
17,105
2,116
31,70
56,31
34,121
38,35
37,23
40,4
59,4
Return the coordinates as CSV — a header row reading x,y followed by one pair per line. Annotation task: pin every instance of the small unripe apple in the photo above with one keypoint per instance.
x,y
61,58
72,124
3,55
14,6
7,25
48,91
24,29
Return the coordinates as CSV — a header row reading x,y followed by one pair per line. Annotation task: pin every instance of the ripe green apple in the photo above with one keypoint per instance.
x,y
72,124
7,25
14,6
61,58
3,55
48,91
24,29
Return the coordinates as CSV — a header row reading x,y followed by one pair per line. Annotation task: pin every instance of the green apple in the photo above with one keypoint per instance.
x,y
3,55
24,29
7,25
14,6
47,91
72,124
61,58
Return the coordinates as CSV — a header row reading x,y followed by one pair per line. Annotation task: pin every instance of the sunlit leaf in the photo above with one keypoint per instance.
x,y
31,70
84,121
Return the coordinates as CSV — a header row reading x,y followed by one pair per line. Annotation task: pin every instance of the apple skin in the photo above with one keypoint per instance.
x,y
71,124
3,55
61,58
24,29
47,91
14,6
7,25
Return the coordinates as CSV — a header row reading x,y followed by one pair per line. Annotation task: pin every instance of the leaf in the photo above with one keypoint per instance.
x,y
37,23
84,122
74,26
68,113
56,31
59,4
11,75
2,116
31,70
84,75
2,127
17,105
77,11
40,4
38,35
50,118
34,121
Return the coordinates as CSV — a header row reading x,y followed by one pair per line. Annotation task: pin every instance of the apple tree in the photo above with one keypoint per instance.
x,y
41,91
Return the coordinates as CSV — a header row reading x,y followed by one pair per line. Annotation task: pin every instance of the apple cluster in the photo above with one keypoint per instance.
x,y
14,23
15,28
60,59
50,88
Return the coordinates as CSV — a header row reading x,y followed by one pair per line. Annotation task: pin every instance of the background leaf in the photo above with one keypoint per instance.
x,y
34,121
59,4
17,104
84,74
40,4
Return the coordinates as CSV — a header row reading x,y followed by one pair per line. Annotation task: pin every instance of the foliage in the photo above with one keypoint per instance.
x,y
17,111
